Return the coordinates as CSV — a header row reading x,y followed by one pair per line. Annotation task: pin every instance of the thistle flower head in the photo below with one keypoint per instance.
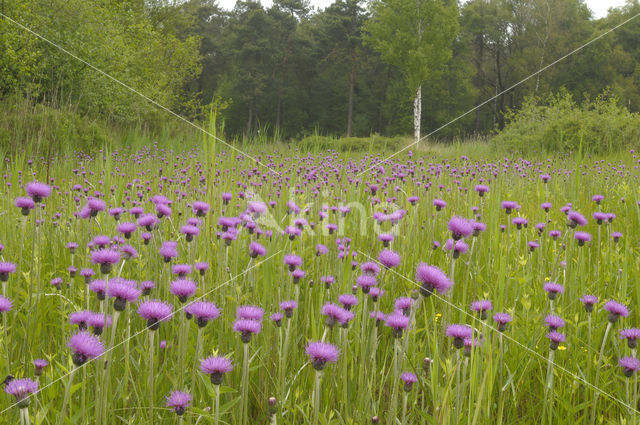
x,y
178,401
432,278
85,346
322,353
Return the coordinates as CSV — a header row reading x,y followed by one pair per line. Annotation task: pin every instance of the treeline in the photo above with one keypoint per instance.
x,y
291,71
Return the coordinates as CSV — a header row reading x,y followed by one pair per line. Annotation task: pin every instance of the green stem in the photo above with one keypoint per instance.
x,y
217,404
245,384
67,393
151,373
394,383
316,398
595,382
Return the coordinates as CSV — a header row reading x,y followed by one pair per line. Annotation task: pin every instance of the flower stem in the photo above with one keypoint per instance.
x,y
316,398
595,382
394,383
151,372
217,404
245,384
67,393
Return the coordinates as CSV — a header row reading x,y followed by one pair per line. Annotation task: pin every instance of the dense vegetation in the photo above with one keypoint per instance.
x,y
289,71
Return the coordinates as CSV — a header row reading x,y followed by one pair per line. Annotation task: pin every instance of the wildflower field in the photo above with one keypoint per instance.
x,y
161,287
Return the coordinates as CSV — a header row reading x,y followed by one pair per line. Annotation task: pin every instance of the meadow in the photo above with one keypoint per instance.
x,y
290,287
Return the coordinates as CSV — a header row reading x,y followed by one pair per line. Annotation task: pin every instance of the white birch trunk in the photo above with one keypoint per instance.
x,y
417,114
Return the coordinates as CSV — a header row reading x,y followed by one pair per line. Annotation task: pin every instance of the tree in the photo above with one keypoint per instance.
x,y
416,37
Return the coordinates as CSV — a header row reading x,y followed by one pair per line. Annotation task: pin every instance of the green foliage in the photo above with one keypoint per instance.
x,y
558,123
115,37
317,143
414,36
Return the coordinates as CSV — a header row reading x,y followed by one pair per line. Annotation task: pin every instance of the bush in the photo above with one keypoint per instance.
x,y
352,144
559,124
39,125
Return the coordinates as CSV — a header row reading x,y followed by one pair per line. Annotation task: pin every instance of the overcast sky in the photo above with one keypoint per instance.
x,y
599,7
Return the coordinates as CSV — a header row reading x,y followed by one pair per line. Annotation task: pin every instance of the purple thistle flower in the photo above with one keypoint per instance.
x,y
348,301
80,318
615,310
630,365
255,250
122,292
388,258
105,257
589,301
582,237
334,314
98,323
154,312
322,353
597,198
321,249
553,289
181,269
99,287
216,367
616,236
409,379
481,307
432,278
481,189
250,312
555,338
520,222
25,205
85,346
21,389
404,304
179,401
366,282
459,228
297,274
459,333
148,221
631,335
370,268
5,304
126,228
39,365
292,261
183,289
439,204
509,206
554,322
277,318
203,311
5,270
200,209
502,319
247,329
398,322
38,191
189,232
288,307
202,267
555,234
576,219
546,206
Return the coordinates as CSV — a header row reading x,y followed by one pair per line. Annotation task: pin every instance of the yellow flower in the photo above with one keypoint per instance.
x,y
561,347
547,279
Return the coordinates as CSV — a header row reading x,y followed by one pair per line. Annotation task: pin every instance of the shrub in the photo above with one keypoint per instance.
x,y
352,144
558,123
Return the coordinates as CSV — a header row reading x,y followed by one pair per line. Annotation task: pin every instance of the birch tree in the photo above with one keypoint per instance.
x,y
416,37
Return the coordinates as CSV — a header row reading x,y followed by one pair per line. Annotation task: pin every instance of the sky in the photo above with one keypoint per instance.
x,y
599,7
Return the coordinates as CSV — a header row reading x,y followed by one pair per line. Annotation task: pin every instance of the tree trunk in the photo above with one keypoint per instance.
x,y
417,114
249,122
352,83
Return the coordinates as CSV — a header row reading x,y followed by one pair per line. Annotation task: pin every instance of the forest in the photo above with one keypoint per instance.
x,y
290,70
